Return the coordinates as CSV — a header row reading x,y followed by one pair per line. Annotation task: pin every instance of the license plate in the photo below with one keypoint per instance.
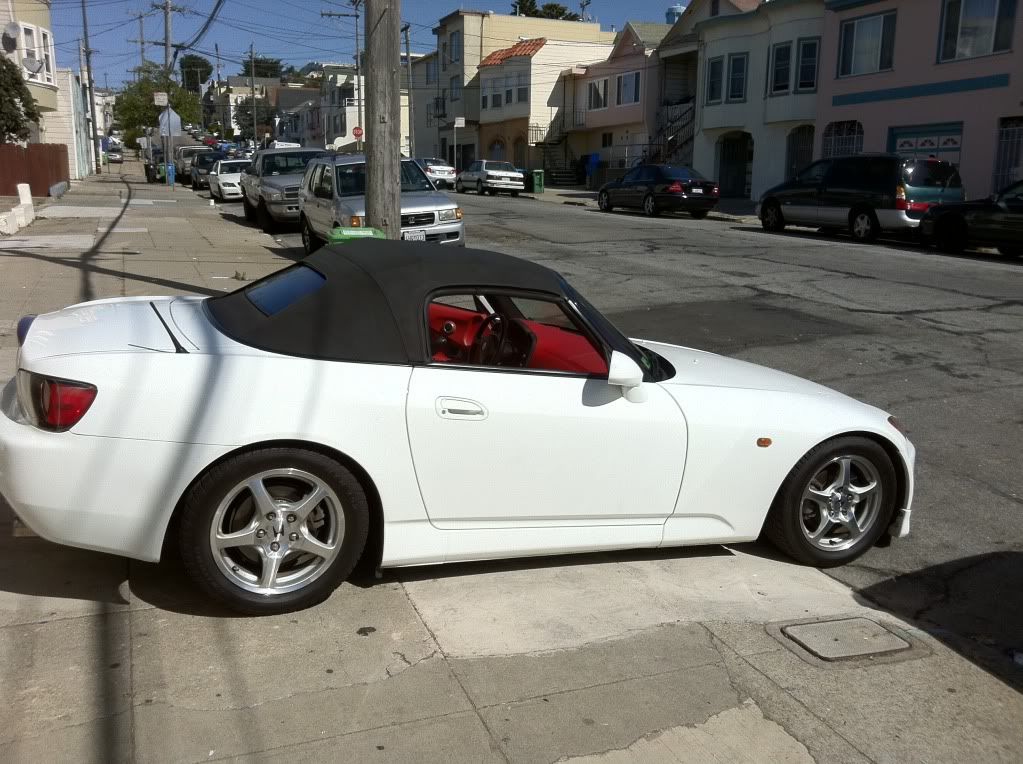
x,y
696,191
414,235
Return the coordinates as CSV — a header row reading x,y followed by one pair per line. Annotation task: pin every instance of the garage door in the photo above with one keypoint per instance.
x,y
943,141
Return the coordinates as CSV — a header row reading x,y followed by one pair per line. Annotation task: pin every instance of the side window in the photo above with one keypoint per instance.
x,y
314,177
649,174
845,173
325,186
511,332
814,174
632,176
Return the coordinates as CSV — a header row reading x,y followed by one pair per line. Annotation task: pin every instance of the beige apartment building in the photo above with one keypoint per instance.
x,y
450,86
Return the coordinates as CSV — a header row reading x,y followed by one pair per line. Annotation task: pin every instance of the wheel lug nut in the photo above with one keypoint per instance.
x,y
260,533
271,516
274,547
291,518
293,537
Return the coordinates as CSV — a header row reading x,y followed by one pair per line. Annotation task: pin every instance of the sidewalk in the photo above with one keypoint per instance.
x,y
646,656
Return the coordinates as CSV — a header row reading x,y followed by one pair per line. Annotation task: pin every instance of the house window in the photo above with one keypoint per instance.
x,y
47,56
597,94
715,78
607,140
496,100
443,55
976,28
628,88
781,67
522,85
715,7
29,54
431,71
509,92
808,53
455,46
867,45
842,139
737,76
456,88
483,100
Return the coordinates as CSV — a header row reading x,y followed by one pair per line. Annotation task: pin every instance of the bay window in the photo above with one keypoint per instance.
x,y
976,28
866,45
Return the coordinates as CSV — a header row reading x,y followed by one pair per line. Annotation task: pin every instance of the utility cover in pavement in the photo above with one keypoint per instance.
x,y
846,638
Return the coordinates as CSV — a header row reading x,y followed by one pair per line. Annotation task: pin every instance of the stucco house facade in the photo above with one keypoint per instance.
x,y
757,97
926,77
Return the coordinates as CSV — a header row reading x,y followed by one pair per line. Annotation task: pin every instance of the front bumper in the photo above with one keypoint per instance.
x,y
285,211
202,181
229,192
443,233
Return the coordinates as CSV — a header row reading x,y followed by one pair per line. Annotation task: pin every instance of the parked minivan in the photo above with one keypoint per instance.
x,y
863,194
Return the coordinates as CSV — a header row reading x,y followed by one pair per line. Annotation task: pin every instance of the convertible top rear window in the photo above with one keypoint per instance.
x,y
278,292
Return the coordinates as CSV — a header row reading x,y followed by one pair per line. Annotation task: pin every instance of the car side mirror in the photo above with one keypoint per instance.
x,y
625,373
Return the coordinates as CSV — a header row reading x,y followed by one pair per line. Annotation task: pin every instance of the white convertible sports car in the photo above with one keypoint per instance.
x,y
419,405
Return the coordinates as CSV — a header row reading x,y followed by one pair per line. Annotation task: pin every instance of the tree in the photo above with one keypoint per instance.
x,y
545,11
525,8
17,106
264,117
135,109
195,70
265,67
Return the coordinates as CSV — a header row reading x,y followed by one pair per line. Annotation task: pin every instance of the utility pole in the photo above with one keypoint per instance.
x,y
358,59
411,108
383,117
142,44
252,90
92,91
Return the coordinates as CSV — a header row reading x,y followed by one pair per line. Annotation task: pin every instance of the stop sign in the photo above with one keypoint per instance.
x,y
357,132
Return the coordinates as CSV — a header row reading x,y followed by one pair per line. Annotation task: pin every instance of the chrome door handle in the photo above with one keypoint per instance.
x,y
460,408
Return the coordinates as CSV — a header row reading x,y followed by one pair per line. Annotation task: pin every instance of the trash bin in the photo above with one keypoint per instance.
x,y
341,235
168,173
537,181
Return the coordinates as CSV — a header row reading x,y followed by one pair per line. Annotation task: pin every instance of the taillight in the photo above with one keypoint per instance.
x,y
675,188
54,404
919,206
716,191
900,198
24,324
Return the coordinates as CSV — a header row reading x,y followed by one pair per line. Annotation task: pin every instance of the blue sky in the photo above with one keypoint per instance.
x,y
288,29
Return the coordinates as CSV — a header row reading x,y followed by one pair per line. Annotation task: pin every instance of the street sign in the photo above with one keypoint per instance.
x,y
459,121
357,132
160,99
170,123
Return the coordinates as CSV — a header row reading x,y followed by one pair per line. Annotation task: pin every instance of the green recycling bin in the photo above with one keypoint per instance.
x,y
341,235
537,181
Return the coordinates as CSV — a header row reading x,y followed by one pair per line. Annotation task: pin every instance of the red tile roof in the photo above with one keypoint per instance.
x,y
524,48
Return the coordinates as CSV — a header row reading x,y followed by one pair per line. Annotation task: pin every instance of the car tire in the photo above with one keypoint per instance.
x,y
310,241
459,188
514,193
266,221
492,191
479,187
1010,250
604,202
794,518
863,225
771,217
951,235
650,206
221,503
698,214
250,212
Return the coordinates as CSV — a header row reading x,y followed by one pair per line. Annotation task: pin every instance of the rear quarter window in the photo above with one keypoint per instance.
x,y
284,289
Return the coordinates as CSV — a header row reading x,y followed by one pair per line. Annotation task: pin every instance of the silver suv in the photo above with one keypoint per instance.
x,y
333,194
270,185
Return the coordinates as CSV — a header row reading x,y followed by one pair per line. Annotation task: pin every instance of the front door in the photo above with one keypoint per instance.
x,y
522,431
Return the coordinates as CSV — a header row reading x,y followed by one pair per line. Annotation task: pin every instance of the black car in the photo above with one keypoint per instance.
x,y
201,165
656,187
863,194
996,221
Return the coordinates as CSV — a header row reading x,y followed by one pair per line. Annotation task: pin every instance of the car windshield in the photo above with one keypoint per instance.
x,y
226,168
207,160
292,163
501,166
930,173
681,173
351,178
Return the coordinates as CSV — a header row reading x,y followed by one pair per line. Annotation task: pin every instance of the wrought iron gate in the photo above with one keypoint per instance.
x,y
798,150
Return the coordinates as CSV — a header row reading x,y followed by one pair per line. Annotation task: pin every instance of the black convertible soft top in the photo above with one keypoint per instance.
x,y
365,300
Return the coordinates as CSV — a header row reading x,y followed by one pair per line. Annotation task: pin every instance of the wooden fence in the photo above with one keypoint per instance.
x,y
41,165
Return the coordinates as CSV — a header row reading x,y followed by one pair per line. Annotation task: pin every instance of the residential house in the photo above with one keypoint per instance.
x,y
31,47
225,103
306,125
615,101
939,78
286,100
340,89
757,97
424,89
464,39
523,100
678,59
105,100
69,124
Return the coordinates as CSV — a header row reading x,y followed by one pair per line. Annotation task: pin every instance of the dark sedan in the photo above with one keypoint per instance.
x,y
654,188
996,221
202,163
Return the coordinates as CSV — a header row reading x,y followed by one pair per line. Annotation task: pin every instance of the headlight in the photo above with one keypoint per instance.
x,y
448,215
275,196
355,221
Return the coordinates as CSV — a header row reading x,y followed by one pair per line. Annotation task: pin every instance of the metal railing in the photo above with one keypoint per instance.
x,y
552,132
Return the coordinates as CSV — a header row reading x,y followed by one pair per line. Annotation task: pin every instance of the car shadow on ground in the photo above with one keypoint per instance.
x,y
974,605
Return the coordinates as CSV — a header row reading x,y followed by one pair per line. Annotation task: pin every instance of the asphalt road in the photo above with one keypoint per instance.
x,y
936,340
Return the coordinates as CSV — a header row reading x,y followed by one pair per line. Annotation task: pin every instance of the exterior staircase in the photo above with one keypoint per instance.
x,y
673,143
558,160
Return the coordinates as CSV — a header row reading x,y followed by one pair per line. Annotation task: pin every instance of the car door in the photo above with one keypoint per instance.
x,y
799,197
1006,225
498,446
846,186
308,203
625,194
214,177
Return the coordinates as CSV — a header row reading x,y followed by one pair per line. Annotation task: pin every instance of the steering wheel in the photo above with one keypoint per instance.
x,y
486,346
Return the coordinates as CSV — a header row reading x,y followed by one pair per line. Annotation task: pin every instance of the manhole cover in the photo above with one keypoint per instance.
x,y
846,638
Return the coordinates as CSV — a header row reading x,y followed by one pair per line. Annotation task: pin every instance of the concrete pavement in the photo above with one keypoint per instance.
x,y
671,655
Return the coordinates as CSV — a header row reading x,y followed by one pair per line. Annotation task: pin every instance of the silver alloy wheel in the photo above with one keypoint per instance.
x,y
862,225
841,503
277,531
306,239
602,200
649,206
771,216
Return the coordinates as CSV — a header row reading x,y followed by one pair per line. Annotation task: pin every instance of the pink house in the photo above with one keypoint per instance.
x,y
925,77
